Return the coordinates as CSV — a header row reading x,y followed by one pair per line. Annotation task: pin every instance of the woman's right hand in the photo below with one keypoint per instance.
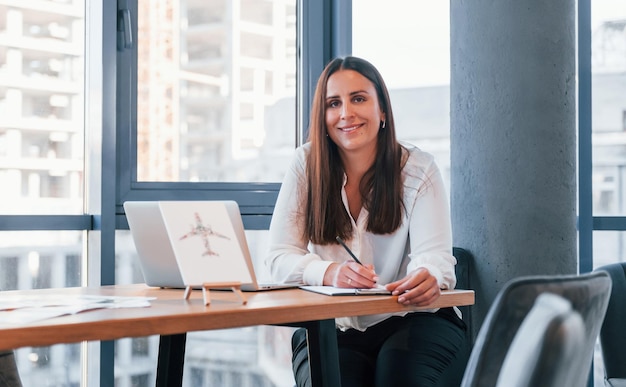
x,y
350,275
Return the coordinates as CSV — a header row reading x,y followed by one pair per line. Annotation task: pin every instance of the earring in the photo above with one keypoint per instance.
x,y
382,125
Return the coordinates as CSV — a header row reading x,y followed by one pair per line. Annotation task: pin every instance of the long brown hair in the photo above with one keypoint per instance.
x,y
381,186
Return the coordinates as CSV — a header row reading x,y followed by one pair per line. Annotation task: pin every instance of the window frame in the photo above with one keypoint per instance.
x,y
318,45
585,164
587,222
318,41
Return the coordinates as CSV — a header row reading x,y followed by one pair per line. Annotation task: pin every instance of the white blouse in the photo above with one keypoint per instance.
x,y
424,239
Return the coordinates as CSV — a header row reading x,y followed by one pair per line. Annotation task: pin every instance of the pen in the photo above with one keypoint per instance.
x,y
348,250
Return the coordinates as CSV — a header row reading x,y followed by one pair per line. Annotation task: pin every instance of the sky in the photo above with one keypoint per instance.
x,y
407,40
411,48
603,10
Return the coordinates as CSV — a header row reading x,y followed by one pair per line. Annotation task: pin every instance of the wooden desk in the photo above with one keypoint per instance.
x,y
171,316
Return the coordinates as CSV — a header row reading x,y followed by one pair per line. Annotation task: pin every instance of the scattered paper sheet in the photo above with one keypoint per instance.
x,y
20,310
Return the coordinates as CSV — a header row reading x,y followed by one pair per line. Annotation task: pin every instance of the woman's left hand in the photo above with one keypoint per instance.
x,y
418,288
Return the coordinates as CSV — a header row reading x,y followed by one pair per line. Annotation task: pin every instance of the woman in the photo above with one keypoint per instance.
x,y
354,180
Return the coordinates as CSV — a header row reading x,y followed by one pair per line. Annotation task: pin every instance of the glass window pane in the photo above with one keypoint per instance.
x,y
216,92
57,365
40,259
41,107
608,247
416,67
608,61
36,260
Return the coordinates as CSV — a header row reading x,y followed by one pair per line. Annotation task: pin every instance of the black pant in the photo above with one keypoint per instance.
x,y
413,350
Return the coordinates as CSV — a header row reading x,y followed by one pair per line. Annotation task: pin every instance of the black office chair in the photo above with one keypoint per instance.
x,y
612,334
453,375
588,295
9,377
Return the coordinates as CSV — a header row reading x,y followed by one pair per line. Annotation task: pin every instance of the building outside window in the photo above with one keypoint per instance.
x,y
41,160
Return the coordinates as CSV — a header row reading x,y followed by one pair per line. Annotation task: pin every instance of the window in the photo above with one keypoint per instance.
x,y
215,115
418,76
608,61
42,101
207,93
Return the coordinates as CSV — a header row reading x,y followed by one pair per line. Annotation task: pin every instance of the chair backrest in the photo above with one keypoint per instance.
x,y
613,332
547,348
587,293
464,260
454,373
9,375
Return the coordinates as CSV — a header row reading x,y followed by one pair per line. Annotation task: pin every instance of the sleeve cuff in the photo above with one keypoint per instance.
x,y
314,272
435,272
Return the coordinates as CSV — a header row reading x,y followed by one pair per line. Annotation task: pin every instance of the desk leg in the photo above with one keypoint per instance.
x,y
171,360
323,354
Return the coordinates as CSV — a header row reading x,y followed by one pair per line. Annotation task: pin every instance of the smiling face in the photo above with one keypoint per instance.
x,y
353,113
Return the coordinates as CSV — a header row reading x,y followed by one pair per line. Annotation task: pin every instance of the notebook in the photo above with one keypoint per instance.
x,y
189,243
335,291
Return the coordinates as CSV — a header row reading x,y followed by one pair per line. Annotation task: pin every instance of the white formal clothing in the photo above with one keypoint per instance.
x,y
424,239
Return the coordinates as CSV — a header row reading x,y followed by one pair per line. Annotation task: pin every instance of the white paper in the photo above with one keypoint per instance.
x,y
205,243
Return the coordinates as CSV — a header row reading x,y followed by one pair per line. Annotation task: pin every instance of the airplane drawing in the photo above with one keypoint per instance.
x,y
206,232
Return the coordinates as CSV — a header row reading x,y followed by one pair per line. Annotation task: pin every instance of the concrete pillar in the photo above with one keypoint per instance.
x,y
513,140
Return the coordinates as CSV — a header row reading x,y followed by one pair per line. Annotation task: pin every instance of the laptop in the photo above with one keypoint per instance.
x,y
189,243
